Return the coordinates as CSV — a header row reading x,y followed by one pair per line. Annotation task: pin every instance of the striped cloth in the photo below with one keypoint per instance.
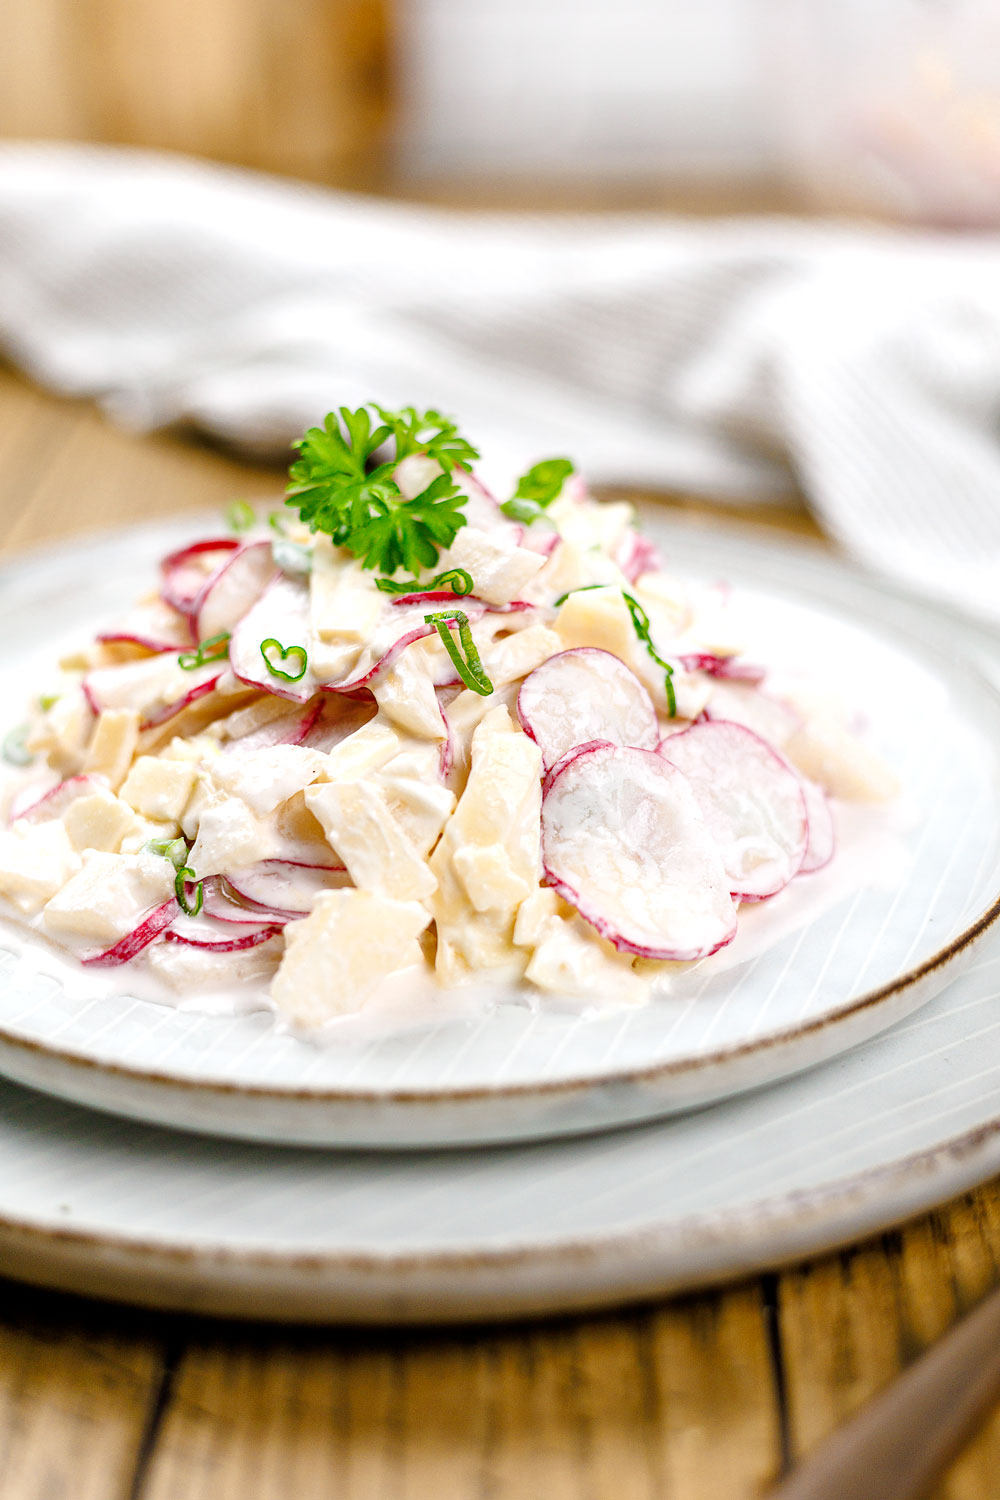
x,y
733,358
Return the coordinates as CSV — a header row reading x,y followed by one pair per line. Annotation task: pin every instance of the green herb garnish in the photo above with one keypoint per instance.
x,y
470,667
457,579
185,876
214,649
338,488
640,621
173,849
284,653
48,700
240,516
537,489
15,746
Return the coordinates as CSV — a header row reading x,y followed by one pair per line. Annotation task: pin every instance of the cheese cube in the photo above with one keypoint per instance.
x,y
108,897
266,777
62,734
501,806
417,799
159,788
100,820
517,655
36,860
379,856
113,745
490,880
404,692
230,836
336,958
571,959
500,569
344,603
597,617
364,751
532,915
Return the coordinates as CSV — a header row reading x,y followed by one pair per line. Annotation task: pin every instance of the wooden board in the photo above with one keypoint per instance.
x,y
704,1398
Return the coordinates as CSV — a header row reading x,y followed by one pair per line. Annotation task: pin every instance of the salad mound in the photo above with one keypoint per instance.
x,y
401,727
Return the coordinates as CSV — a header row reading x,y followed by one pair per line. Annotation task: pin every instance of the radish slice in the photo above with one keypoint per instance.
x,y
822,837
624,842
742,703
184,572
283,890
751,800
239,944
155,626
582,695
338,718
281,614
233,588
157,686
54,802
637,555
293,728
131,945
723,666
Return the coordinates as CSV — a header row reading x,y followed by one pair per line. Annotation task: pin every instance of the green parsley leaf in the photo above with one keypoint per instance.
x,y
338,488
544,480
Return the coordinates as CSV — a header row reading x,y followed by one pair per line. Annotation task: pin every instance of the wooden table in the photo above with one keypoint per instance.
x,y
701,1398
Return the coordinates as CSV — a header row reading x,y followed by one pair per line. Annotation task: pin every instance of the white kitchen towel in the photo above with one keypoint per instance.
x,y
735,358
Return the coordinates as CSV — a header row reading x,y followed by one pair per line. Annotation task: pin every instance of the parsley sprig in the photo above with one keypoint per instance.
x,y
338,487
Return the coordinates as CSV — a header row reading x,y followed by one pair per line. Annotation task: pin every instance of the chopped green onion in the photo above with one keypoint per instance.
x,y
214,649
173,849
291,557
457,579
15,746
525,511
640,620
470,667
583,589
276,520
240,516
48,700
285,653
185,876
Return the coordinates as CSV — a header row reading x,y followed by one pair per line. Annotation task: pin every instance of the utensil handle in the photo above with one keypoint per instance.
x,y
900,1442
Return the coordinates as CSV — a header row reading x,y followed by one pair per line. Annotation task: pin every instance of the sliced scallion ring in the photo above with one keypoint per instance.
x,y
470,667
185,876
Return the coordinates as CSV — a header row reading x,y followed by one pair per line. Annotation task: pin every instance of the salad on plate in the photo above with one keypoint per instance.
x,y
403,734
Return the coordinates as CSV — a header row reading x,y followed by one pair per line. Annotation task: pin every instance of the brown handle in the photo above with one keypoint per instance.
x,y
900,1442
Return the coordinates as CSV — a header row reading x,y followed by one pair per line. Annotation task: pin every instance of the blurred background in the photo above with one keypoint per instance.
x,y
885,107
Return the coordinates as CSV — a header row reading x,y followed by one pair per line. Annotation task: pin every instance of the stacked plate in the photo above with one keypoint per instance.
x,y
524,1159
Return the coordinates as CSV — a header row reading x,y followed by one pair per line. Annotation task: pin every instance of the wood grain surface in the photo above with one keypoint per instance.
x,y
703,1398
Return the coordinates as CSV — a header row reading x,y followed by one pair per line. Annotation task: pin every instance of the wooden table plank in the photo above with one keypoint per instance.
x,y
77,1388
679,1401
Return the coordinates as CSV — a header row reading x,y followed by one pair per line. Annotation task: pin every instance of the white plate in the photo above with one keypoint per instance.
x,y
857,965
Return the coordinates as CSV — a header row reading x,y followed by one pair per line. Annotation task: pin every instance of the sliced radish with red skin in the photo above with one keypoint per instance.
x,y
743,703
280,614
153,924
233,588
240,944
292,728
286,891
624,842
157,687
340,716
54,802
220,906
822,835
582,695
752,802
185,571
156,627
723,666
637,555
